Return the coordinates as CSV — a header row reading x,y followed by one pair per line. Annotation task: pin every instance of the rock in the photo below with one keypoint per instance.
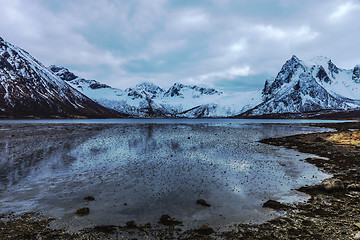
x,y
202,202
354,187
332,184
168,221
357,235
83,211
105,228
275,205
89,198
307,222
131,224
147,225
204,230
319,139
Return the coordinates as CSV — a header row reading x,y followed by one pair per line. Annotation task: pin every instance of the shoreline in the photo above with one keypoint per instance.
x,y
326,215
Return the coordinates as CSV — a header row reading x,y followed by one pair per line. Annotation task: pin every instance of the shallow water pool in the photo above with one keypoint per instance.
x,y
142,171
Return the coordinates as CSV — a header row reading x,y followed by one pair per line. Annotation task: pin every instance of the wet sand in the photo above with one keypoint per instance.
x,y
326,215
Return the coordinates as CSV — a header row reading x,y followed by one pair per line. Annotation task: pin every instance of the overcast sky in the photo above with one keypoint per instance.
x,y
232,45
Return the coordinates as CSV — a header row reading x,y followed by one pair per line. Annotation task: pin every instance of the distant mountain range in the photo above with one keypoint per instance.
x,y
29,89
149,100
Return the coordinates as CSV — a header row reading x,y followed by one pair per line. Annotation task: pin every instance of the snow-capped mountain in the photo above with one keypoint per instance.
x,y
27,88
305,87
149,100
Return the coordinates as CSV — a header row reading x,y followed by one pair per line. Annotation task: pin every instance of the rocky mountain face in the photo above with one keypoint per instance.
x,y
29,89
356,74
299,87
307,87
149,100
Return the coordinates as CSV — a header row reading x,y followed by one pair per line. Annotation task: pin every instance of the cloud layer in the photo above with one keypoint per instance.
x,y
231,45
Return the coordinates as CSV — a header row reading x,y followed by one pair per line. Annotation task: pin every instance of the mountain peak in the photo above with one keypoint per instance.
x,y
323,61
62,72
293,66
1,40
178,85
325,64
149,87
295,58
319,60
294,61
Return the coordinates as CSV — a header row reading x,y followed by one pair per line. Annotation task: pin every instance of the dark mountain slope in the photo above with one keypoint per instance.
x,y
29,89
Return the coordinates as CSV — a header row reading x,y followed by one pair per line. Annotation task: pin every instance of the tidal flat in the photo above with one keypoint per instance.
x,y
139,172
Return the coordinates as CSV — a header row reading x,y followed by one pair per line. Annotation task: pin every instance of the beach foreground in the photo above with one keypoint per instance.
x,y
329,214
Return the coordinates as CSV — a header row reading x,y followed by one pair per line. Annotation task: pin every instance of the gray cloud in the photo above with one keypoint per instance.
x,y
196,42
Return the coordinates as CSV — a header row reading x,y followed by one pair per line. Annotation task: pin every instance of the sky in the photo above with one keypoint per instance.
x,y
231,45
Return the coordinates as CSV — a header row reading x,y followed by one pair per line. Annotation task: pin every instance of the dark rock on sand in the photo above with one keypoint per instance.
x,y
313,189
202,202
275,205
204,230
332,184
131,224
319,139
354,187
83,211
168,221
147,225
89,198
105,228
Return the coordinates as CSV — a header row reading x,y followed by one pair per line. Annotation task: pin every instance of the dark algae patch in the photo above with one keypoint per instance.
x,y
332,212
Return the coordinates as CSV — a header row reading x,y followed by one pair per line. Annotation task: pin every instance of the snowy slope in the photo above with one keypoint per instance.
x,y
149,100
304,87
27,88
299,87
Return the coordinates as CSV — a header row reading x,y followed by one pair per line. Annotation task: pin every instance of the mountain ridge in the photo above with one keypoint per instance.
x,y
29,89
300,88
150,100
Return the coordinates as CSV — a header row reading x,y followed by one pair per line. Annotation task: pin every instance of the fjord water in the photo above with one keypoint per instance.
x,y
144,170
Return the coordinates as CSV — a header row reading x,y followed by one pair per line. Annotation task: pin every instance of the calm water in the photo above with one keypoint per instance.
x,y
155,166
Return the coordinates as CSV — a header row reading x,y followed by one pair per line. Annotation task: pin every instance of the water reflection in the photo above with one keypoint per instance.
x,y
25,149
154,168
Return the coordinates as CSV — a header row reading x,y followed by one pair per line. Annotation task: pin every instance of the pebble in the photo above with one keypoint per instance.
x,y
83,211
168,221
202,202
89,198
332,184
204,230
131,224
319,139
275,205
354,187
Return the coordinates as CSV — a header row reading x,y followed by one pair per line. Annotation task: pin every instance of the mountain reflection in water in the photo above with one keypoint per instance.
x,y
154,168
